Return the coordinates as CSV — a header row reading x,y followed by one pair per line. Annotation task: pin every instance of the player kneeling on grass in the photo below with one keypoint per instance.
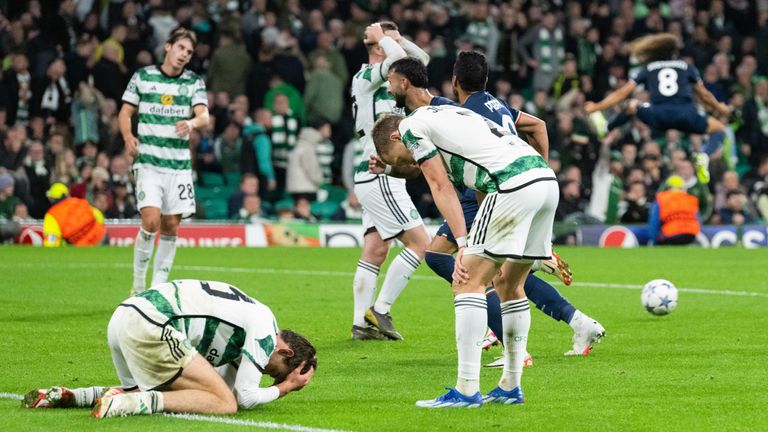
x,y
191,346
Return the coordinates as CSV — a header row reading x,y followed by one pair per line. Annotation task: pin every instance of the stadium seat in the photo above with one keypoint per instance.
x,y
215,208
209,179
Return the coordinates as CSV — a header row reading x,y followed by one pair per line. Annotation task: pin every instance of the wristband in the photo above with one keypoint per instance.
x,y
388,169
461,241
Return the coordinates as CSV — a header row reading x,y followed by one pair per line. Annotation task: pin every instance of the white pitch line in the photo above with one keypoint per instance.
x,y
215,269
229,421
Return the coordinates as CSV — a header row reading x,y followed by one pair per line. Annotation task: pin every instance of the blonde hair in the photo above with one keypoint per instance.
x,y
656,47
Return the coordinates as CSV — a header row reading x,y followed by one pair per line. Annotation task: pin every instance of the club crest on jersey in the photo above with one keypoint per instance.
x,y
183,90
166,99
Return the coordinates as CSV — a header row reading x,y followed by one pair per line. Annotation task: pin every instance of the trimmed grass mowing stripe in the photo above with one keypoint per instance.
x,y
230,421
350,274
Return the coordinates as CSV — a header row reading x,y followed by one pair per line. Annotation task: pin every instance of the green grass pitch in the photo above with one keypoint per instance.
x,y
704,367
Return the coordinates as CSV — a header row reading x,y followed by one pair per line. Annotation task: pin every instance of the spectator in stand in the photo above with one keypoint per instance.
x,y
89,151
14,148
97,182
676,214
38,179
249,185
324,96
51,95
571,202
85,113
18,90
735,211
635,207
334,60
8,200
257,150
305,172
250,211
543,50
230,66
227,149
123,205
118,170
285,130
755,144
110,73
279,88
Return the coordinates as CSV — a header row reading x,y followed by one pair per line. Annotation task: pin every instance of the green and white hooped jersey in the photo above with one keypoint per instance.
x,y
222,323
162,101
477,153
370,100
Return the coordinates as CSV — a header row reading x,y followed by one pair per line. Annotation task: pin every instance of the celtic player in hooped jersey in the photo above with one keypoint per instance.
x,y
170,102
192,346
388,211
513,226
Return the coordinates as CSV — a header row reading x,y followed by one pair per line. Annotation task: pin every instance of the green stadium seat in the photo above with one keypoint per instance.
x,y
210,179
232,180
203,193
215,208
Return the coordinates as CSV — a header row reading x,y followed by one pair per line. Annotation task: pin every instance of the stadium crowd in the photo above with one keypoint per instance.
x,y
281,130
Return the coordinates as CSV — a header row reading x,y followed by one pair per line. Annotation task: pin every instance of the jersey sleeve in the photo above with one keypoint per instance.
x,y
440,100
693,74
131,94
256,351
415,137
640,76
199,95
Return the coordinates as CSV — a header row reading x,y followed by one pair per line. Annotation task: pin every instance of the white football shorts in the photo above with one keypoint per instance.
x,y
173,194
146,355
387,206
515,225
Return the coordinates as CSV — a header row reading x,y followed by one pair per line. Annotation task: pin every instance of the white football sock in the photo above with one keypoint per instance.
x,y
576,320
364,288
516,321
166,251
398,275
147,402
471,324
86,396
142,253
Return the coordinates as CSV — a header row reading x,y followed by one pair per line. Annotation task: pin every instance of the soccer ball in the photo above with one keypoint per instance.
x,y
659,297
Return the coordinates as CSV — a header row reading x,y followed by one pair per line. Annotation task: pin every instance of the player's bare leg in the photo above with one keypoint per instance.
x,y
142,248
166,248
375,251
199,389
398,274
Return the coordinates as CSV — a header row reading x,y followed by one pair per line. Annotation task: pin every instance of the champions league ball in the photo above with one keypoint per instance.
x,y
659,297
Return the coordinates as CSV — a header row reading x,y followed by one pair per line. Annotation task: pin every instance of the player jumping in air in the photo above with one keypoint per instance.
x,y
453,145
470,74
191,346
170,102
388,211
672,84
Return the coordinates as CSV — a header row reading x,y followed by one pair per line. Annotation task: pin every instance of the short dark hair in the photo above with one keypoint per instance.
x,y
303,352
182,33
388,25
471,71
383,128
412,69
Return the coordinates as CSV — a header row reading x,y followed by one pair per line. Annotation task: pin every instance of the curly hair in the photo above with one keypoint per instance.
x,y
303,352
656,47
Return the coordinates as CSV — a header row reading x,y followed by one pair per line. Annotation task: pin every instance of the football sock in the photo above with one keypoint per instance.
x,y
577,319
166,251
147,402
714,142
548,299
86,396
398,274
142,253
494,312
619,120
441,264
364,287
516,315
471,324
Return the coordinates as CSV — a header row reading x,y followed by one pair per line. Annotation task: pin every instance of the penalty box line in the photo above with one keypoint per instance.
x,y
222,420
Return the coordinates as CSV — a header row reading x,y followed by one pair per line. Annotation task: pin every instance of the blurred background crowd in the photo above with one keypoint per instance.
x,y
281,140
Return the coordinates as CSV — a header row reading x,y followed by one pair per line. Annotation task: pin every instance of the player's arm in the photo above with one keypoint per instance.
x,y
392,50
612,99
536,130
447,202
412,49
377,166
199,121
708,99
124,122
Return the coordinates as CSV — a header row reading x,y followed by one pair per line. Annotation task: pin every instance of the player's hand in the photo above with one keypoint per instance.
x,y
376,165
590,107
373,33
724,109
395,35
183,128
296,380
460,273
131,145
